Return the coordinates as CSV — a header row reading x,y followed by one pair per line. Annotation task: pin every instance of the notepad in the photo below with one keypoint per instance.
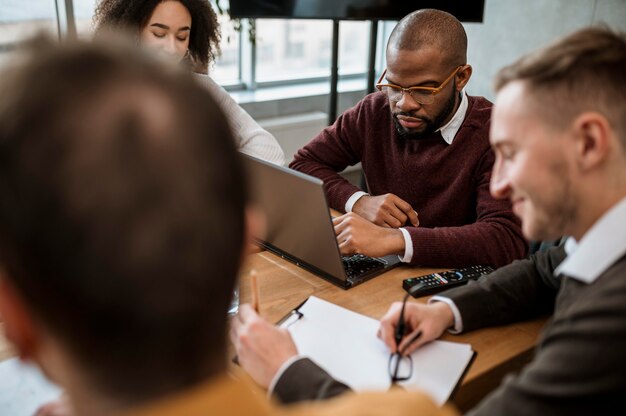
x,y
23,388
345,344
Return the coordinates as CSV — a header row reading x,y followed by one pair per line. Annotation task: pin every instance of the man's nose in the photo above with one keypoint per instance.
x,y
407,102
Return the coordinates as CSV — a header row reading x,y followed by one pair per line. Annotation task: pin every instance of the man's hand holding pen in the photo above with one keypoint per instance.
x,y
422,324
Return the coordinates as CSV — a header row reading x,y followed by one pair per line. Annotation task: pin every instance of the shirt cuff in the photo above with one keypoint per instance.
x,y
458,322
352,200
281,370
408,246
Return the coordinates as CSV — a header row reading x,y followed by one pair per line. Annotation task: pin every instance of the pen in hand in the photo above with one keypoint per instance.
x,y
401,326
399,333
414,338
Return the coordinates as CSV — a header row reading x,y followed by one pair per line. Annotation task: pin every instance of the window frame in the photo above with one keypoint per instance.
x,y
247,53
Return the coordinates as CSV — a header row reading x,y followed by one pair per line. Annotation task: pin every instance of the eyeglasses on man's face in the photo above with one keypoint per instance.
x,y
422,95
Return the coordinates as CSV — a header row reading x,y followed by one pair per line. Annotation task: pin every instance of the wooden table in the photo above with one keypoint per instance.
x,y
283,286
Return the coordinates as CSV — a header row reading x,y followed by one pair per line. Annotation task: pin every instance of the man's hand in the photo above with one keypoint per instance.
x,y
386,210
357,235
424,323
261,347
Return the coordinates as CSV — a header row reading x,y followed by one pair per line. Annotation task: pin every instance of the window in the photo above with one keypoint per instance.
x,y
83,13
21,19
281,51
292,49
353,47
227,68
303,48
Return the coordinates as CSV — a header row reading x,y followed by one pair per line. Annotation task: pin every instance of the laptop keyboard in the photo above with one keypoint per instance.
x,y
358,265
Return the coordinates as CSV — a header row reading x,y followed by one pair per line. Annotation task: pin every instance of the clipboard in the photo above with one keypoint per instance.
x,y
295,312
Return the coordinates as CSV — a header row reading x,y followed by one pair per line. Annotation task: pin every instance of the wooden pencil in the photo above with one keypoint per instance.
x,y
254,287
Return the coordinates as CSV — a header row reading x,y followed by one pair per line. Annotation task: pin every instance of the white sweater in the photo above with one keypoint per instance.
x,y
253,139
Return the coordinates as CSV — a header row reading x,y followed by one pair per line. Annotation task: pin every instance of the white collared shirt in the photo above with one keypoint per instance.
x,y
448,132
451,128
601,246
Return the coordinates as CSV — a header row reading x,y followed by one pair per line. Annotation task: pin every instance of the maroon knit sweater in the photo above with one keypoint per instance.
x,y
461,224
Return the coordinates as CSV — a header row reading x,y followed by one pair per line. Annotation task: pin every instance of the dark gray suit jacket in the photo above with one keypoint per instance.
x,y
580,361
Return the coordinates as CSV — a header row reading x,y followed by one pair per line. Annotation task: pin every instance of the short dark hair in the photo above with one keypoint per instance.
x,y
121,213
584,71
133,15
432,27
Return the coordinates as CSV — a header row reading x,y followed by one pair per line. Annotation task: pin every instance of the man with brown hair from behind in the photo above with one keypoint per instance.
x,y
121,233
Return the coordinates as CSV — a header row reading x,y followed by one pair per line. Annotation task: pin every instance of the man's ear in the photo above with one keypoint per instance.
x,y
463,77
19,325
592,133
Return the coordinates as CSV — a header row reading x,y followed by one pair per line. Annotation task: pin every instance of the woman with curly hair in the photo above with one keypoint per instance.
x,y
187,31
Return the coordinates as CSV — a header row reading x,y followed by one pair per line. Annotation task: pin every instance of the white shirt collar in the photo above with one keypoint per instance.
x,y
449,131
598,249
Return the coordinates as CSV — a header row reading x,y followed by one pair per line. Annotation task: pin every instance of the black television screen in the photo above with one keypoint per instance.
x,y
464,10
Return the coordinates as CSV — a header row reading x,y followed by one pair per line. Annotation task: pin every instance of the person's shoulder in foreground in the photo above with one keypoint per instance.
x,y
236,397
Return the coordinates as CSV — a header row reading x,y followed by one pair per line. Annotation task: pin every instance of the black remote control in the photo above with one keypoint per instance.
x,y
436,282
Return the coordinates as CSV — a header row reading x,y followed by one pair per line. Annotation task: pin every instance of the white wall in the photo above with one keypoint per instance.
x,y
512,28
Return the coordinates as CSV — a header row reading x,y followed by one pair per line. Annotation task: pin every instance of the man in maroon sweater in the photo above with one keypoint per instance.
x,y
424,147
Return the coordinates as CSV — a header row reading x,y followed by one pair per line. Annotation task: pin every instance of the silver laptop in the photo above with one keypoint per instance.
x,y
299,226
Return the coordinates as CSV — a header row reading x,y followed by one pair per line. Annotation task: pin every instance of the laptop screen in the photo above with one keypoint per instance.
x,y
298,221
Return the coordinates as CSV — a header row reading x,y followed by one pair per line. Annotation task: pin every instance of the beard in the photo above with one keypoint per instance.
x,y
550,215
430,125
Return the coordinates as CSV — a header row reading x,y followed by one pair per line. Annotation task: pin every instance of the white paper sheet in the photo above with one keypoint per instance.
x,y
23,389
345,344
